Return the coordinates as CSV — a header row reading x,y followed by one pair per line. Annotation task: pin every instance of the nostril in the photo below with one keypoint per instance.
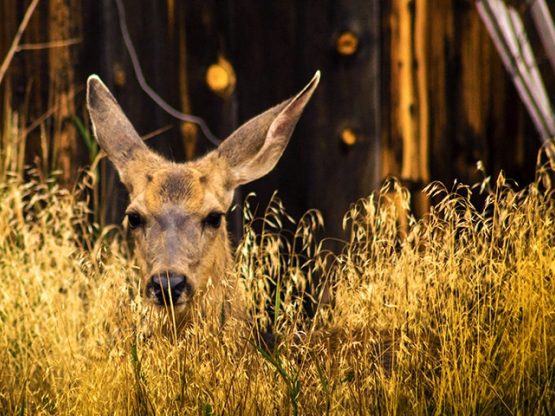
x,y
178,283
166,286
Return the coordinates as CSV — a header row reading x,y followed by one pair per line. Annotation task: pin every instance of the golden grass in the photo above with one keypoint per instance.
x,y
457,317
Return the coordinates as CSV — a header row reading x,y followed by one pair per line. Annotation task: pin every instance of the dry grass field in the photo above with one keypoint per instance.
x,y
450,314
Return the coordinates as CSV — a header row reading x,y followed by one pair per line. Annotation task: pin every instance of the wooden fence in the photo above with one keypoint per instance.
x,y
410,88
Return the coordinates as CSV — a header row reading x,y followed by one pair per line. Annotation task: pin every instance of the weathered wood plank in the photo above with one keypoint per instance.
x,y
423,96
293,40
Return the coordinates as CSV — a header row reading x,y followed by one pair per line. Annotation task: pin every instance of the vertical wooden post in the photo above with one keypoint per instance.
x,y
441,69
64,23
409,90
189,131
421,73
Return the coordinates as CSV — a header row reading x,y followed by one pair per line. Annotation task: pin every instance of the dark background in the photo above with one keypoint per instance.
x,y
424,91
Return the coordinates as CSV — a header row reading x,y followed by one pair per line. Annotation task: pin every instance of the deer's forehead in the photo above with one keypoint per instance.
x,y
176,186
183,186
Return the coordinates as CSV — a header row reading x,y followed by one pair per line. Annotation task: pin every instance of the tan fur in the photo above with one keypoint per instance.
x,y
175,199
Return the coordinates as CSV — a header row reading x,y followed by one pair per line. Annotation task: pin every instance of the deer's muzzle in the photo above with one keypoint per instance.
x,y
167,288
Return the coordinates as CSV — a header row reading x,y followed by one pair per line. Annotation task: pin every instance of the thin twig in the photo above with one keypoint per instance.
x,y
148,90
17,38
156,132
102,154
39,120
48,45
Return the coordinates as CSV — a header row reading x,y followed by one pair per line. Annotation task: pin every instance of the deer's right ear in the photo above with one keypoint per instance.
x,y
115,134
255,148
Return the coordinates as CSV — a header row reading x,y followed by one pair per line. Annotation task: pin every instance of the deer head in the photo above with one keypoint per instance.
x,y
177,210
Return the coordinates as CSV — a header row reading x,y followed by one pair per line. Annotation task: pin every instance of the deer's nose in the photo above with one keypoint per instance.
x,y
167,287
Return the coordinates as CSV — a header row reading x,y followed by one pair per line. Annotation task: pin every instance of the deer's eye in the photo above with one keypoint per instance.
x,y
134,220
214,219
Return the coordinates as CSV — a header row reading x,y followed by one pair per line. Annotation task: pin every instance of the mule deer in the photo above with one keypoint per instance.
x,y
177,210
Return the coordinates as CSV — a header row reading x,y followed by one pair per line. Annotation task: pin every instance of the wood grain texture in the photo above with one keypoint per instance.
x,y
424,93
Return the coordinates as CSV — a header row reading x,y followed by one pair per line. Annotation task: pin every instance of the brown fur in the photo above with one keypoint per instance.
x,y
174,200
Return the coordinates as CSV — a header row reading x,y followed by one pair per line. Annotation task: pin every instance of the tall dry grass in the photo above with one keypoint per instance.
x,y
454,314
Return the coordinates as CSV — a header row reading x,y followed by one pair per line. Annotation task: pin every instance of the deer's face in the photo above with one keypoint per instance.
x,y
177,211
177,218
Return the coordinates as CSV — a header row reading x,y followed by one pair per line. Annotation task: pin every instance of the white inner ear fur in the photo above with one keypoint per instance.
x,y
276,138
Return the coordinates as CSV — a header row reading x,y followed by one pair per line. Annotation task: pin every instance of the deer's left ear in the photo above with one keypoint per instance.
x,y
117,137
255,148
